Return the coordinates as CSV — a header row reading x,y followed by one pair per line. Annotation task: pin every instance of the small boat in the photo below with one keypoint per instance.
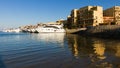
x,y
17,30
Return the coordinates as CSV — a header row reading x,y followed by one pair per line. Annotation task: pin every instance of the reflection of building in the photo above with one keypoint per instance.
x,y
113,12
99,50
79,46
117,50
73,45
75,48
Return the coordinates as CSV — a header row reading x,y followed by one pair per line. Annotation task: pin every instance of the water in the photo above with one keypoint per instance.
x,y
57,50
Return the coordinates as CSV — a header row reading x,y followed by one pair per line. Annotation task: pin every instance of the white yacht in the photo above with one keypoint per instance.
x,y
33,30
17,30
51,29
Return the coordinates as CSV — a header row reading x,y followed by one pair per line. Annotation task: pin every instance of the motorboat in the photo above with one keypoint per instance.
x,y
51,29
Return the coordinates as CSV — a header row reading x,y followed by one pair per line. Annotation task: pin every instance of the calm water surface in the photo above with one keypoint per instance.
x,y
53,50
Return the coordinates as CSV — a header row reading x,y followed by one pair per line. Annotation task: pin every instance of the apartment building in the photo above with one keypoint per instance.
x,y
74,16
61,21
113,12
86,16
72,19
68,23
90,16
108,20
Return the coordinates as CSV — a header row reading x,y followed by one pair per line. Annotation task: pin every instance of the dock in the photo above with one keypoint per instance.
x,y
74,31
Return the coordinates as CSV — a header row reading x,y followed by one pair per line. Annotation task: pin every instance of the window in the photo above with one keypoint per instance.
x,y
96,21
96,17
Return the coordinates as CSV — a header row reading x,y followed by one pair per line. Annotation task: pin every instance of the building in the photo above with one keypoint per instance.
x,y
90,16
74,16
61,21
113,12
72,19
68,24
108,20
69,19
86,16
52,23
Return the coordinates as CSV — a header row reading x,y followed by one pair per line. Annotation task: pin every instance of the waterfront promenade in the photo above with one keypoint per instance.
x,y
104,31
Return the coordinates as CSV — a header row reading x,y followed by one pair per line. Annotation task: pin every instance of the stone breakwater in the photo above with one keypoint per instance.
x,y
105,31
74,31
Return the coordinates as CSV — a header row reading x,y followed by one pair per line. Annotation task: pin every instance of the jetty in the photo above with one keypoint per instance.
x,y
74,31
104,31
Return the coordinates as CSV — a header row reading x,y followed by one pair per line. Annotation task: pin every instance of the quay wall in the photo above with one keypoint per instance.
x,y
74,31
105,31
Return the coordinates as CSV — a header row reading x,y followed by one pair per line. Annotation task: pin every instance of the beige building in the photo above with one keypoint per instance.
x,y
74,16
108,20
86,16
61,21
52,23
113,12
69,19
68,24
72,19
90,16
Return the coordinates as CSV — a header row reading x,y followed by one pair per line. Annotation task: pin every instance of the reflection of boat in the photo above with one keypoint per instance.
x,y
73,31
51,37
51,29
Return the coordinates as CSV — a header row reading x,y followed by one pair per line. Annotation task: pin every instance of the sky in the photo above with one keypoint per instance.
x,y
15,13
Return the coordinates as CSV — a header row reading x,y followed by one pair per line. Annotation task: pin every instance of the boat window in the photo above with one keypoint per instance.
x,y
51,27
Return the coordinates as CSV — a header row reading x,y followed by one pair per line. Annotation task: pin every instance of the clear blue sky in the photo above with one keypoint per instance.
x,y
15,13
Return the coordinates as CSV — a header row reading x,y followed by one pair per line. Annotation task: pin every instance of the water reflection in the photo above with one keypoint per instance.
x,y
118,50
79,46
45,51
101,52
2,65
99,49
50,37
